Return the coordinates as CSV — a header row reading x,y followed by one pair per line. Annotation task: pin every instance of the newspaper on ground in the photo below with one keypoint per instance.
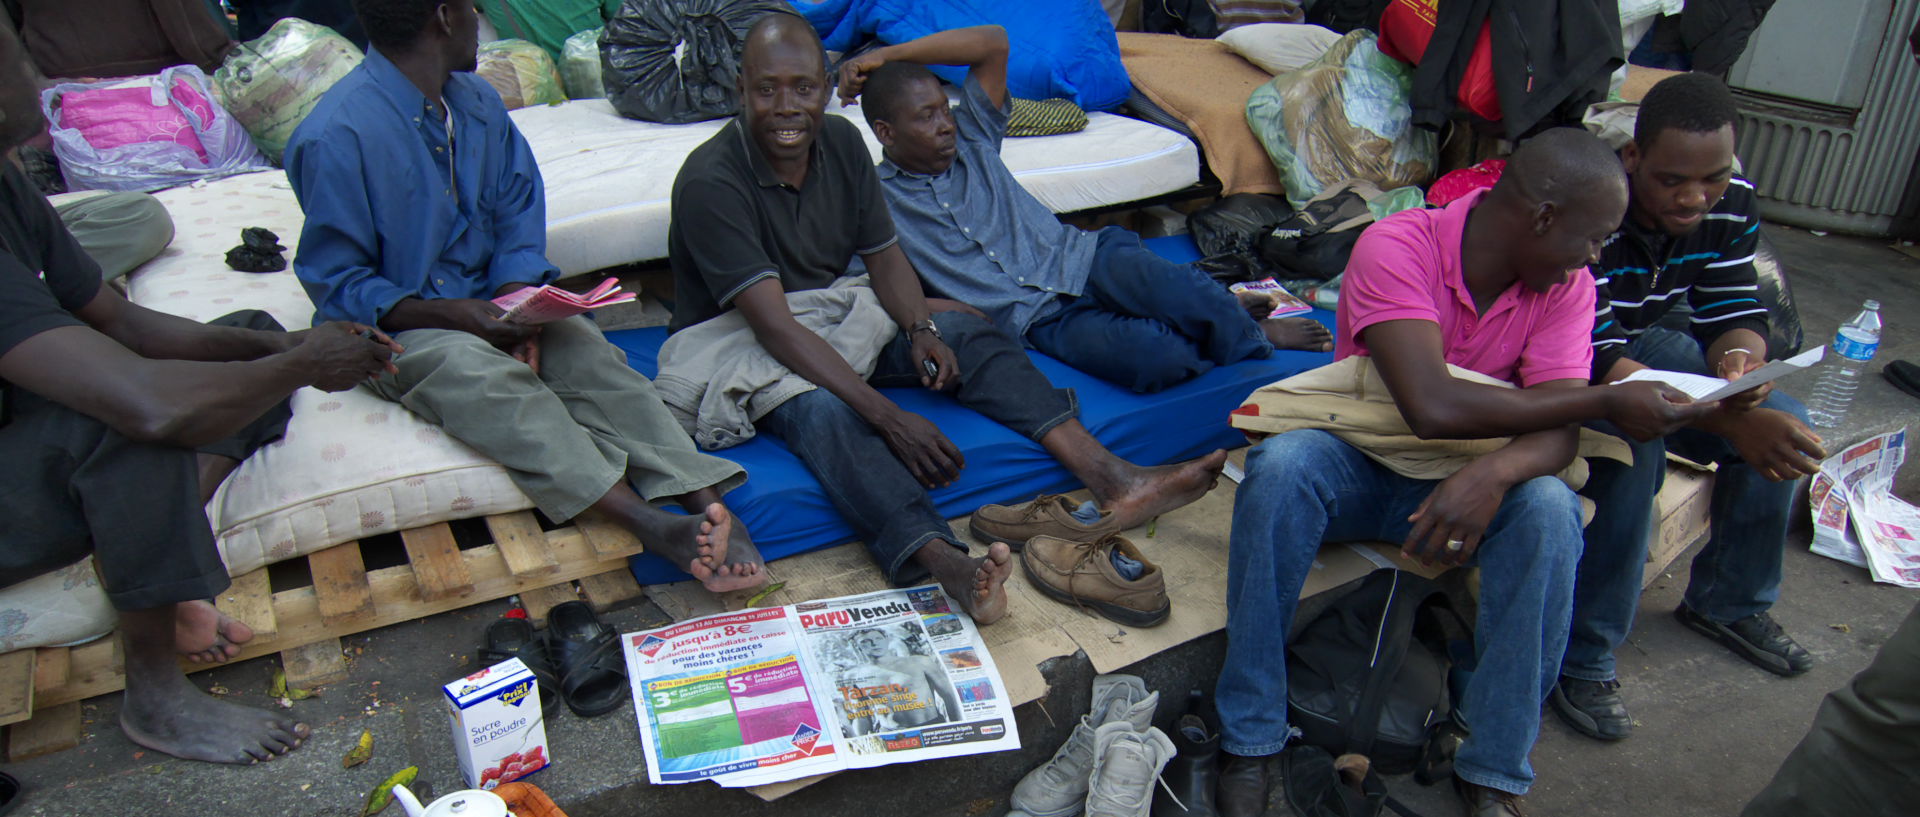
x,y
765,695
1856,517
1706,389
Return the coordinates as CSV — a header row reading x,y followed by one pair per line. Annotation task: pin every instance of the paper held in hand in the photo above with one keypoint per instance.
x,y
1706,389
546,304
760,696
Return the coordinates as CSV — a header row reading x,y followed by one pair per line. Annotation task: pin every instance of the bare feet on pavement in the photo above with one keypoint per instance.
x,y
1141,494
171,715
204,635
1305,334
979,585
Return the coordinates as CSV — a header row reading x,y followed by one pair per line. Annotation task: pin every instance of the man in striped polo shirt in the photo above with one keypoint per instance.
x,y
1689,234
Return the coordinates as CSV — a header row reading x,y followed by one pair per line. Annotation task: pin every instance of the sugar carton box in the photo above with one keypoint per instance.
x,y
497,727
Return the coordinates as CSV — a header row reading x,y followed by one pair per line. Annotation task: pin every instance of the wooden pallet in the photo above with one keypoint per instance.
x,y
304,624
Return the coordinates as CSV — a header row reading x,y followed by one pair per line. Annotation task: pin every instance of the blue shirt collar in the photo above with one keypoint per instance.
x,y
405,95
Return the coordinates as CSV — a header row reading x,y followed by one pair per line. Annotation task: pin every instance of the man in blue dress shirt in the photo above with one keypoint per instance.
x,y
422,204
1100,302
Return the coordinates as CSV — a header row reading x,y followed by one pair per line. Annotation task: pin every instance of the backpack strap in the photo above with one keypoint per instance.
x,y
1390,642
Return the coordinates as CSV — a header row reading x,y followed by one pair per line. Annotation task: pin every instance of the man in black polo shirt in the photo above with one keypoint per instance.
x,y
102,405
782,199
1690,232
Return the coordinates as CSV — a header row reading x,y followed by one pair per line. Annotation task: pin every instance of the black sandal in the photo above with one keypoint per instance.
x,y
593,673
10,791
514,638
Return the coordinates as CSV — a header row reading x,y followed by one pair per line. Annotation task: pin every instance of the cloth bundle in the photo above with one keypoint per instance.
x,y
522,72
271,83
145,133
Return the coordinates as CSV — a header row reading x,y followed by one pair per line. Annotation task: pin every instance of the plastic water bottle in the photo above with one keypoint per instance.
x,y
1853,346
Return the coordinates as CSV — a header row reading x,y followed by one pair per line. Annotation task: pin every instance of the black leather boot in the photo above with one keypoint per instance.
x,y
1193,773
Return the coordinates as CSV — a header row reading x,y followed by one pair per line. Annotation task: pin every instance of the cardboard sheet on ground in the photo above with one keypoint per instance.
x,y
1188,544
1705,389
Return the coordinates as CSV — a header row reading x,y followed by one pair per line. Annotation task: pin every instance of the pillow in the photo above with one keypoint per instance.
x,y
1279,47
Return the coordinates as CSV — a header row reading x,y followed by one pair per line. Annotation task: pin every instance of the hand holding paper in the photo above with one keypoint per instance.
x,y
1705,389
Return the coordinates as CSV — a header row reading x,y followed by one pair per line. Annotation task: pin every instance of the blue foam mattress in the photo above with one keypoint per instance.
x,y
788,513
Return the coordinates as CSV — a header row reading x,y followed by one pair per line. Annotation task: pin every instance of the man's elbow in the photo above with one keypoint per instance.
x,y
1433,421
172,425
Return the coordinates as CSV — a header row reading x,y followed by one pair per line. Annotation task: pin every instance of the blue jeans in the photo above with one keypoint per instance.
x,y
868,485
1305,488
1145,322
1736,575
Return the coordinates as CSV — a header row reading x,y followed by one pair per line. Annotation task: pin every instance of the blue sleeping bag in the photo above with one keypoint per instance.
x,y
788,513
1062,48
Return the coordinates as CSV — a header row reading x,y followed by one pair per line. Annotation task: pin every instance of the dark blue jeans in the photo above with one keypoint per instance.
x,y
1736,575
868,485
1304,488
1145,322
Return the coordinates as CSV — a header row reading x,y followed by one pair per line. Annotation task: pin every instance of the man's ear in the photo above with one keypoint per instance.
x,y
1630,157
1544,214
443,16
883,131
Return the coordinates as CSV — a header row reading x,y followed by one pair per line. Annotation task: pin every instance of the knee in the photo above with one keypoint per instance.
x,y
960,327
1550,511
1782,401
819,411
1291,455
451,349
149,220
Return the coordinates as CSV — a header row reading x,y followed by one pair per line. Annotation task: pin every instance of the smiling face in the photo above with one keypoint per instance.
x,y
783,96
919,132
1679,177
1567,238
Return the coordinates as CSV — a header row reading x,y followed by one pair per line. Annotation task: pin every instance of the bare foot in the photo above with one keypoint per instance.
x,y
699,544
743,568
979,585
207,636
171,715
1305,334
1145,493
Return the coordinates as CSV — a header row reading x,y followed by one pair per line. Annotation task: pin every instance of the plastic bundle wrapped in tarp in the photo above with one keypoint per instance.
x,y
678,61
145,133
271,83
580,65
522,72
1057,49
1346,115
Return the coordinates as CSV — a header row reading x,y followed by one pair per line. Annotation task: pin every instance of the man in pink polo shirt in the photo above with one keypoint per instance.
x,y
1495,283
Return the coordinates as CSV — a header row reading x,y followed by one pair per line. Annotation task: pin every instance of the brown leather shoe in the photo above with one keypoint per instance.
x,y
1485,802
1046,515
1082,574
1243,788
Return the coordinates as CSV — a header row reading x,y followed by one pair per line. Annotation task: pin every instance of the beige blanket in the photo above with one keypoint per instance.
x,y
1206,86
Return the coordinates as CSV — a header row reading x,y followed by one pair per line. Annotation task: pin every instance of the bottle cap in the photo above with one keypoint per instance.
x,y
1872,304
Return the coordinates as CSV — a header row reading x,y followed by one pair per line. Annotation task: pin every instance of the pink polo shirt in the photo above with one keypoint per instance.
x,y
1407,267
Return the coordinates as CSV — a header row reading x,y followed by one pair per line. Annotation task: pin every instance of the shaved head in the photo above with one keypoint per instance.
x,y
783,90
779,31
1564,165
1562,194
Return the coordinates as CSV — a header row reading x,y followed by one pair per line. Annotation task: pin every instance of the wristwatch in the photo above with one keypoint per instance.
x,y
925,325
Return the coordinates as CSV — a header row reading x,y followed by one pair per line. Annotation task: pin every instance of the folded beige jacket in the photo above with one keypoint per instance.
x,y
1349,399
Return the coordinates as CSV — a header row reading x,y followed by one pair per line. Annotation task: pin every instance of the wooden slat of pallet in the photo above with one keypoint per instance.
x,y
16,686
52,730
340,580
50,667
250,601
522,544
541,599
311,665
395,598
604,591
437,565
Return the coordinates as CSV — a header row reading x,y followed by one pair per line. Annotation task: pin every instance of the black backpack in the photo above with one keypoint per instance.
x,y
1369,674
1315,788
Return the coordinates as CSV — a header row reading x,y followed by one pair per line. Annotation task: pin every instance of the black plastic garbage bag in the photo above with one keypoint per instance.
x,y
259,251
1231,224
677,61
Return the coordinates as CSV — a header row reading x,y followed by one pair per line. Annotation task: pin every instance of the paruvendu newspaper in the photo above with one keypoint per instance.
x,y
764,695
1856,517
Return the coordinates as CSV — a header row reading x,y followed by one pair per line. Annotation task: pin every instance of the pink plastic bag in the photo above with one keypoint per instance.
x,y
1464,181
111,117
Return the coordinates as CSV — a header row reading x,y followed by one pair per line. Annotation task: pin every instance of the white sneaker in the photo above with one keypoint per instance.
x,y
1126,765
1059,787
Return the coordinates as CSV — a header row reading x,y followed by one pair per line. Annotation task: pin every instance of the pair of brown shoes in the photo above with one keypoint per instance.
x,y
1073,561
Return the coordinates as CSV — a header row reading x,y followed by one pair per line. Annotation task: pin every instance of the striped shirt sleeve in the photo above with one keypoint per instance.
x,y
1726,295
1609,337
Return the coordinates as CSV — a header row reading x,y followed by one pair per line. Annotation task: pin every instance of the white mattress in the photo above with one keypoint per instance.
x,y
609,178
353,465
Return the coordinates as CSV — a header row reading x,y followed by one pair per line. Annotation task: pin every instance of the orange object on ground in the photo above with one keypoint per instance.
x,y
527,800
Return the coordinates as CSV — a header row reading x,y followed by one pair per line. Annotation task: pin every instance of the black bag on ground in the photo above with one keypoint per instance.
x,y
677,61
1369,674
1314,788
1316,242
1231,224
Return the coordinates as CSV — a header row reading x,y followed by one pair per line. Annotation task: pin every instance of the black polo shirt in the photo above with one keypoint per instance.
x,y
735,223
44,274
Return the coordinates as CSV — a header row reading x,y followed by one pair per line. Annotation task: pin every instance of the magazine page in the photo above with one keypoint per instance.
x,y
726,696
1856,517
902,675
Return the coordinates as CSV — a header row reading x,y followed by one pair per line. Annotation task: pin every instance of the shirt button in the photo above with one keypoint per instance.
x,y
944,204
436,150
967,230
989,253
440,281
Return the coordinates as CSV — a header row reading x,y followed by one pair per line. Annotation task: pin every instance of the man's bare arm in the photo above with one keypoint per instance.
x,y
1464,504
1437,405
158,335
983,49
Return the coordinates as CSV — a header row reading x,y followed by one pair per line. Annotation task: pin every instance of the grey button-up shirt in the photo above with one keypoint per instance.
x,y
976,236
